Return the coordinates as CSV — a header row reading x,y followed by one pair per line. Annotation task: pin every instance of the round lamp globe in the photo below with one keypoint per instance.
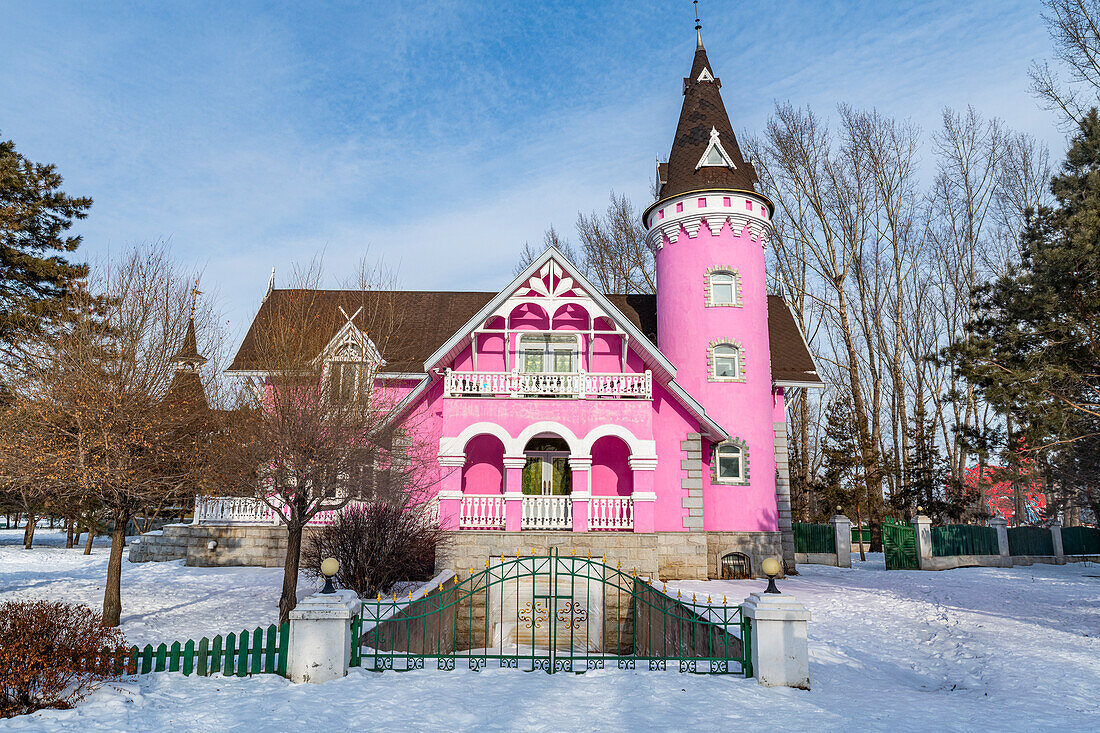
x,y
770,566
330,567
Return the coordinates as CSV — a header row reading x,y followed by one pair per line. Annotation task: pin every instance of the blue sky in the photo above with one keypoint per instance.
x,y
441,136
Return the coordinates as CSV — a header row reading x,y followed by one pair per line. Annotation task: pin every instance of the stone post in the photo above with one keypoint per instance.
x,y
842,531
513,492
923,525
320,636
780,651
581,492
1001,525
1056,535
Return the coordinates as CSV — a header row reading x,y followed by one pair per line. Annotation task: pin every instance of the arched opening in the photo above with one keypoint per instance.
x,y
547,471
529,316
611,474
484,469
735,566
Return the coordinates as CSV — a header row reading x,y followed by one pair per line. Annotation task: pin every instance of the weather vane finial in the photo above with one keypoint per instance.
x,y
195,293
698,26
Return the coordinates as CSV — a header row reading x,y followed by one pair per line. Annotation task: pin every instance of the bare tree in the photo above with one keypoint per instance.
x,y
323,424
1074,27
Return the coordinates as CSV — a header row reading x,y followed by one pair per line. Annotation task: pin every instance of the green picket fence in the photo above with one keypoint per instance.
x,y
1081,540
964,539
866,536
814,537
1030,541
257,652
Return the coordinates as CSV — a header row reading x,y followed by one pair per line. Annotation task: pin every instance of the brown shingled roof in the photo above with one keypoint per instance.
x,y
428,319
703,110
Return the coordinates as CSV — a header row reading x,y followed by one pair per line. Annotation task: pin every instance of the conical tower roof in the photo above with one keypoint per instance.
x,y
189,352
694,163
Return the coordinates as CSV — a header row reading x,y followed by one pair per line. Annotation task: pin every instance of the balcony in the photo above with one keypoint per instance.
x,y
605,513
577,385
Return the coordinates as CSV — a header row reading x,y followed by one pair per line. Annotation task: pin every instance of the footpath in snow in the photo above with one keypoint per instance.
x,y
960,650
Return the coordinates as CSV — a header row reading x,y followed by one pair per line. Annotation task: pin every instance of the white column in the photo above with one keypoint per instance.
x,y
842,532
320,636
780,651
1001,525
923,525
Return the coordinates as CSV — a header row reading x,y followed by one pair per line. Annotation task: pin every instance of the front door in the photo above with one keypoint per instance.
x,y
547,474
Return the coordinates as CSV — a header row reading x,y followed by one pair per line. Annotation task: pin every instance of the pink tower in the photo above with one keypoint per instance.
x,y
709,228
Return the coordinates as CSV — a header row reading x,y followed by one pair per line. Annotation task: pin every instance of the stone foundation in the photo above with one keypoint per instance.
x,y
664,555
252,545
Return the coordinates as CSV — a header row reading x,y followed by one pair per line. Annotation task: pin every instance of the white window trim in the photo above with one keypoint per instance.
x,y
711,361
715,144
707,293
743,479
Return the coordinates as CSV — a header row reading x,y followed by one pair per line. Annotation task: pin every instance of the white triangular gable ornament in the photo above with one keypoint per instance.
x,y
715,154
705,75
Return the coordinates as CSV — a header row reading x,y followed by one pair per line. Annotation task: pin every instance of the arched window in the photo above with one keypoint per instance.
x,y
727,361
729,460
723,288
736,566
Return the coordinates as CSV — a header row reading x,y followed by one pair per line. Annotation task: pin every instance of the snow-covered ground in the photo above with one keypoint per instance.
x,y
968,649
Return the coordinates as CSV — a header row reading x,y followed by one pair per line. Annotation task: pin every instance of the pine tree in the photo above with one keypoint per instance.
x,y
35,217
1035,343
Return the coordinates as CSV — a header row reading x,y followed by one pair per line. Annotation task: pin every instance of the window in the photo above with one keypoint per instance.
x,y
345,372
731,463
542,353
723,288
727,361
736,566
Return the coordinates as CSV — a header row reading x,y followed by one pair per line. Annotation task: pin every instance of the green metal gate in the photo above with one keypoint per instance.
x,y
899,544
552,613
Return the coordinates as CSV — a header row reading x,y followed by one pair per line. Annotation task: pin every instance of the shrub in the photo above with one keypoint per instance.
x,y
52,655
378,545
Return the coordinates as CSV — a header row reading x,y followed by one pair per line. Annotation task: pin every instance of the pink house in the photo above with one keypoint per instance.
x,y
646,428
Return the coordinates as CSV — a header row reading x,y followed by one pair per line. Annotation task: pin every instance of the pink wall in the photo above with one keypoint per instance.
x,y
611,474
484,469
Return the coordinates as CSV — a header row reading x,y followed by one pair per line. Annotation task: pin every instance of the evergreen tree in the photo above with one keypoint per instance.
x,y
35,217
1035,343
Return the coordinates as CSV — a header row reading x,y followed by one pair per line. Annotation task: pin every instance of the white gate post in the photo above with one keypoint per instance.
x,y
842,531
923,525
1001,525
320,636
1056,536
780,652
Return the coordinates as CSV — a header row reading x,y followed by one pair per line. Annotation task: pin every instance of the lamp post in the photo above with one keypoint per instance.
x,y
329,568
771,568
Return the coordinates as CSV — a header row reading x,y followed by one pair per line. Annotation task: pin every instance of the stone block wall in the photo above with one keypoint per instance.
x,y
240,545
757,545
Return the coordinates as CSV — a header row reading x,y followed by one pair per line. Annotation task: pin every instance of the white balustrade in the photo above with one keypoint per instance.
x,y
549,384
481,511
546,512
248,510
610,513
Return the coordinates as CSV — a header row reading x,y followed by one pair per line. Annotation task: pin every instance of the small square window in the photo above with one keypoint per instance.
x,y
679,207
748,205
725,201
723,288
727,361
702,203
660,214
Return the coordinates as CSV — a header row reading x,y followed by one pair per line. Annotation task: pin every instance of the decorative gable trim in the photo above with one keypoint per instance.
x,y
715,146
705,75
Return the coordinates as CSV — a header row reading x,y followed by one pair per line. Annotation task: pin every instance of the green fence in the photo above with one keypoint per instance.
x,y
964,539
814,537
866,536
1081,540
257,652
899,545
1030,541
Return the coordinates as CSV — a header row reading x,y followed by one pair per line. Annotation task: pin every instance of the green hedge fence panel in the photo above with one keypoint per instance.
x,y
1081,540
814,537
964,539
1030,541
269,657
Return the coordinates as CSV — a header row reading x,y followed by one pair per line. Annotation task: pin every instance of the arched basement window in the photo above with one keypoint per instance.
x,y
736,566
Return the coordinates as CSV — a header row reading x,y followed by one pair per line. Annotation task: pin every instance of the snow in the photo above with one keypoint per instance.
x,y
974,648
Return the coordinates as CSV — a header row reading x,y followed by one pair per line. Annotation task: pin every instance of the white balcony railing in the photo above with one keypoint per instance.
x,y
481,512
567,384
546,512
610,513
246,510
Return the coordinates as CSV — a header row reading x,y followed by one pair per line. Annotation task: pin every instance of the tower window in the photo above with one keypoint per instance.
x,y
723,288
725,201
748,205
702,203
679,207
726,362
731,462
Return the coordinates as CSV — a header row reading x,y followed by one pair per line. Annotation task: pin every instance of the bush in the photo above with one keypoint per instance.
x,y
52,655
378,546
